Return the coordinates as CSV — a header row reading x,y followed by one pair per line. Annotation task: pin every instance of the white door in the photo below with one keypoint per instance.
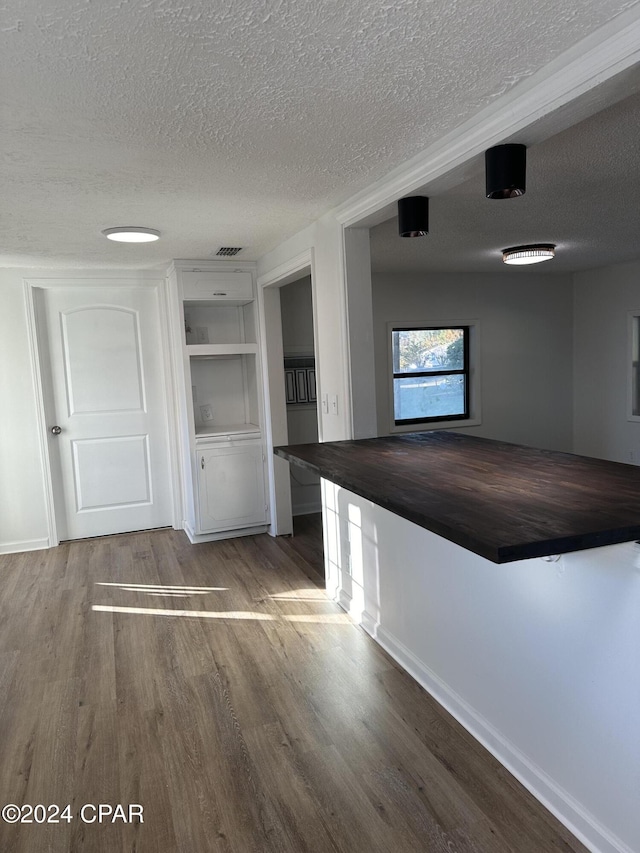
x,y
101,357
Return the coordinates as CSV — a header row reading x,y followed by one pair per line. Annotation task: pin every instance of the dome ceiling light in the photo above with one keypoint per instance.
x,y
132,234
534,254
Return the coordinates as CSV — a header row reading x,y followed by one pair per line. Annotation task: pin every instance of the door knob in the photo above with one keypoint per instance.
x,y
56,430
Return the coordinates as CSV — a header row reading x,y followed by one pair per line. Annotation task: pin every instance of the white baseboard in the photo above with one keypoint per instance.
x,y
26,545
344,599
370,625
561,804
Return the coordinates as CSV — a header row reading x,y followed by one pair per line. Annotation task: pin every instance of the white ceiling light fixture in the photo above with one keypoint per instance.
x,y
534,254
132,234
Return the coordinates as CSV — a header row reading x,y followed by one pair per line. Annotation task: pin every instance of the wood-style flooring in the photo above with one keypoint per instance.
x,y
216,686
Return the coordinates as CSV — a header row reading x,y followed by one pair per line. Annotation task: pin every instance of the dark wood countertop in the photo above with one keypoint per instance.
x,y
503,501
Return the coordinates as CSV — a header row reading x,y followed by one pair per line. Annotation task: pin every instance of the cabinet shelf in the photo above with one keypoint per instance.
x,y
213,350
210,324
226,431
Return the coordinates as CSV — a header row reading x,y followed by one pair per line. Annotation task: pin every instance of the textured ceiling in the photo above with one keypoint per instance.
x,y
583,187
237,123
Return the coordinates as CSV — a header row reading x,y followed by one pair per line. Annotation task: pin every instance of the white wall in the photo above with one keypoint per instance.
x,y
525,346
539,660
362,376
324,239
23,520
603,299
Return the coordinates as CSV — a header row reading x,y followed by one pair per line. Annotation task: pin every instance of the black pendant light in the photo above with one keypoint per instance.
x,y
413,216
506,168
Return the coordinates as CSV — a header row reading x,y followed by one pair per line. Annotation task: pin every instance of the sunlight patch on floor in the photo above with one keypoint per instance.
x,y
162,589
313,595
327,618
192,614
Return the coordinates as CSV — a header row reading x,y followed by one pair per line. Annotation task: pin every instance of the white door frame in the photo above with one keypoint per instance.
x,y
75,278
273,374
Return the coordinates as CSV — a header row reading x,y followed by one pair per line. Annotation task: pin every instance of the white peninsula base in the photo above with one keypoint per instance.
x,y
538,659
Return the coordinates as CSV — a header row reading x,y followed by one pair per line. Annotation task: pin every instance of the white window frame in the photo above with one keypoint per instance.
x,y
633,347
475,418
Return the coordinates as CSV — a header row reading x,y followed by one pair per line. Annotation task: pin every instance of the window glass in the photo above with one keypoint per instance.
x,y
419,350
425,397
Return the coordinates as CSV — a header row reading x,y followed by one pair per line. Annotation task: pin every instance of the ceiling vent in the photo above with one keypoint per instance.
x,y
227,251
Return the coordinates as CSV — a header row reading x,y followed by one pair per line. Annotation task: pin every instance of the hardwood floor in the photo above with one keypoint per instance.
x,y
217,687
307,543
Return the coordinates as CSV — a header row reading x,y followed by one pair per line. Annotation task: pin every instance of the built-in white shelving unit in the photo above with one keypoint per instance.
x,y
222,403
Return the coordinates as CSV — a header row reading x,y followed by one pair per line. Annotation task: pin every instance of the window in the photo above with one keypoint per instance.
x,y
633,393
430,374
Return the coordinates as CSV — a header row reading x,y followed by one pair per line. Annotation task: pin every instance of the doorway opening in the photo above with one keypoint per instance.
x,y
293,383
296,307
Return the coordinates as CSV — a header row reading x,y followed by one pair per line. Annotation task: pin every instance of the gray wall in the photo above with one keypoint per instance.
x,y
297,317
525,346
603,300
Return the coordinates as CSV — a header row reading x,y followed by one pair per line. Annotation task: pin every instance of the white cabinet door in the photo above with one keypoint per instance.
x,y
217,286
230,487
